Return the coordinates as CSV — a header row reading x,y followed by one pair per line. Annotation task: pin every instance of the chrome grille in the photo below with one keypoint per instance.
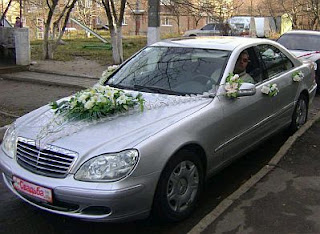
x,y
51,161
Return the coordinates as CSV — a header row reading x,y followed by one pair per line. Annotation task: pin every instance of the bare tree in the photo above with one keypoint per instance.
x,y
5,12
50,44
85,12
218,10
115,14
312,7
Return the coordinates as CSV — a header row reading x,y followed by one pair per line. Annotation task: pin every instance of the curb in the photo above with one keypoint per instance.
x,y
32,80
227,202
61,73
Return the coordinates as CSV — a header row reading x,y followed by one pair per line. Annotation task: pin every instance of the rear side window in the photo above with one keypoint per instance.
x,y
274,60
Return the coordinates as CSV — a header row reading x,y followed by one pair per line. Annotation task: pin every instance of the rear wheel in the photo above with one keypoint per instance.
x,y
179,187
300,113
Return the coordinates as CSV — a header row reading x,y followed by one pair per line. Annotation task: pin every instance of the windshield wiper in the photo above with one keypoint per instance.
x,y
156,89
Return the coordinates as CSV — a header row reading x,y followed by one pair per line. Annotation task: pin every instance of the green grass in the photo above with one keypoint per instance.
x,y
89,48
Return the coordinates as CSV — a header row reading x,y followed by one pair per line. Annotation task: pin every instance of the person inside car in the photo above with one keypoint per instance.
x,y
241,66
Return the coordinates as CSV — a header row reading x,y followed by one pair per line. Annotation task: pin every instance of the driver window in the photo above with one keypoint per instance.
x,y
247,66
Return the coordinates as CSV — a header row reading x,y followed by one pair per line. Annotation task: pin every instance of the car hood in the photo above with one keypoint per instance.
x,y
312,55
111,134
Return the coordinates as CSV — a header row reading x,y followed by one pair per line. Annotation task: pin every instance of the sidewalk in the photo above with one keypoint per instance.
x,y
283,197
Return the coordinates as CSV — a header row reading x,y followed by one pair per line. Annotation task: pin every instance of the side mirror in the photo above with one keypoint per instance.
x,y
246,89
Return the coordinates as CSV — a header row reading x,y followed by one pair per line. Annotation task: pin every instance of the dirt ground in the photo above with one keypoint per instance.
x,y
18,98
78,67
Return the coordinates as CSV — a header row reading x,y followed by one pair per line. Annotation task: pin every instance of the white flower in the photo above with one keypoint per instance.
x,y
83,97
297,76
231,87
100,98
271,90
94,98
110,93
106,73
112,68
122,99
235,77
89,104
265,89
273,87
100,88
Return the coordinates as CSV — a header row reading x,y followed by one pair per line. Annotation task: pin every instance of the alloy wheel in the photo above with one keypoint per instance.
x,y
183,185
301,113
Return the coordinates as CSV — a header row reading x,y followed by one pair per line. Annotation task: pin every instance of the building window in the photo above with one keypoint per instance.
x,y
205,3
124,21
88,3
165,21
40,28
165,2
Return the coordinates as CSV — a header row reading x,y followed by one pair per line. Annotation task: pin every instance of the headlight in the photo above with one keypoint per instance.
x,y
10,141
108,167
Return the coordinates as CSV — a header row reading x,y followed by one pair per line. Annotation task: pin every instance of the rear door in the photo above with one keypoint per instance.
x,y
279,70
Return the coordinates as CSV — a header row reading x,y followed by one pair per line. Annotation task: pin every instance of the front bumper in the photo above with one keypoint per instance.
x,y
124,200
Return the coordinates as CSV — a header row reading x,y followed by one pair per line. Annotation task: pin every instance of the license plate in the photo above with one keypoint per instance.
x,y
33,190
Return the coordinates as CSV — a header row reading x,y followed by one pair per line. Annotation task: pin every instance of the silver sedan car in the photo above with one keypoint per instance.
x,y
145,139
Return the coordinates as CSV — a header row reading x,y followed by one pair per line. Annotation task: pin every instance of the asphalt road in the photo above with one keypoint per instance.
x,y
17,98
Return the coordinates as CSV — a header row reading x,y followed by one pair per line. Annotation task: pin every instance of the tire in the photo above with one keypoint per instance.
x,y
179,187
300,114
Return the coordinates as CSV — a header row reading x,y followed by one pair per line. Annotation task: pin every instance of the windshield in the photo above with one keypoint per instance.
x,y
172,70
300,42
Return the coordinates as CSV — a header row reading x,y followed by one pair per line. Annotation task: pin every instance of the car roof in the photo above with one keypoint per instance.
x,y
303,32
214,42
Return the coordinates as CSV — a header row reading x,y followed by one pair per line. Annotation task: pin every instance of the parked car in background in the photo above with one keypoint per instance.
x,y
304,44
211,29
145,140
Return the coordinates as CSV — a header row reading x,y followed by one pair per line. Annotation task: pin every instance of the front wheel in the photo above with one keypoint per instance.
x,y
300,113
179,187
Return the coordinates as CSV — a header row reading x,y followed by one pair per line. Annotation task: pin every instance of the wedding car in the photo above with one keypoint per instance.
x,y
305,45
144,140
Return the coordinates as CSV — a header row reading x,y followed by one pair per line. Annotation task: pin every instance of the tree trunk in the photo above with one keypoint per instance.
x,y
119,43
315,24
46,43
178,24
115,49
47,53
